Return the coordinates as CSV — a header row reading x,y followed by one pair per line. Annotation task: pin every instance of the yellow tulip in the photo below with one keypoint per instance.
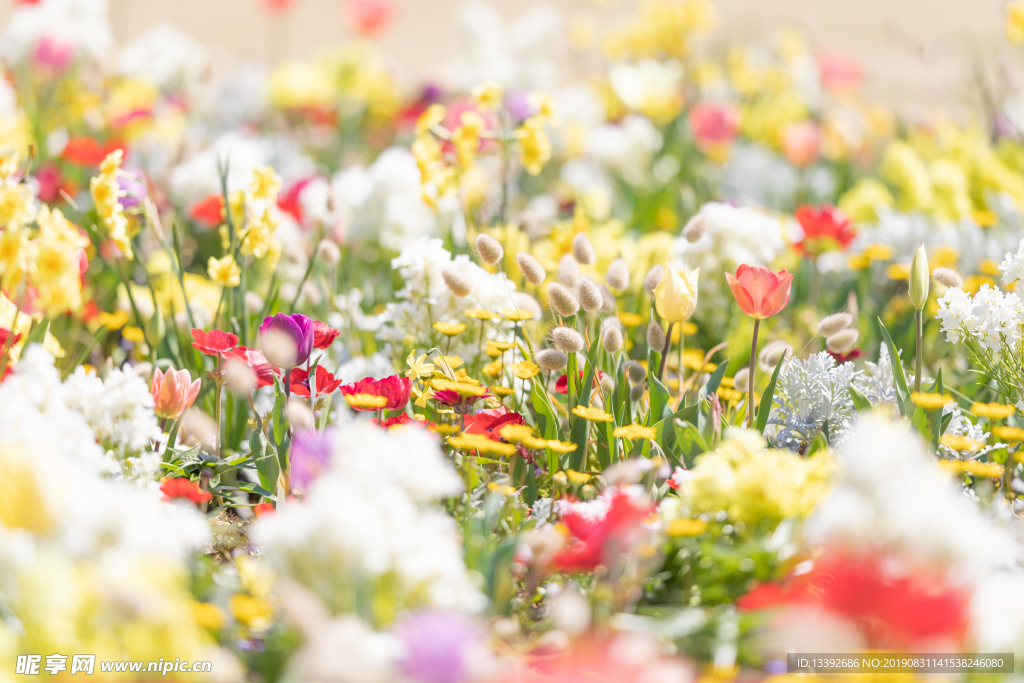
x,y
675,297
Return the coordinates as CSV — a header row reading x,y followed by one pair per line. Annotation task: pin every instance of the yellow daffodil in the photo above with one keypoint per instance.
x,y
634,432
418,367
225,272
930,401
265,184
675,297
593,414
686,527
993,411
450,329
489,95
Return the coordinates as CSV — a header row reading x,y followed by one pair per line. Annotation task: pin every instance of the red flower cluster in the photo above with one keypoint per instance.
x,y
893,607
180,487
826,228
395,389
599,540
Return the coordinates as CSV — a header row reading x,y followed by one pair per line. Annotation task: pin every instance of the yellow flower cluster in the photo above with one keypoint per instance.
x,y
662,29
753,484
106,195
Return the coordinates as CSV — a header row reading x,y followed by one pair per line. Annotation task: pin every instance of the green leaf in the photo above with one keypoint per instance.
x,y
38,332
860,401
765,408
716,377
580,429
902,393
659,400
267,466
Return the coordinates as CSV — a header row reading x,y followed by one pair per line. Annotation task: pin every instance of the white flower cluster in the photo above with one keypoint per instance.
x,y
991,318
813,395
370,517
1013,265
425,298
118,408
81,25
894,498
732,236
756,176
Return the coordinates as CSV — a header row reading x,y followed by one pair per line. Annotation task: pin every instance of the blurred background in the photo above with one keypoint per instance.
x,y
916,54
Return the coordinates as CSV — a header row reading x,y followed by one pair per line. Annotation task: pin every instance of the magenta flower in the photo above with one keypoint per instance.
x,y
280,332
310,455
438,646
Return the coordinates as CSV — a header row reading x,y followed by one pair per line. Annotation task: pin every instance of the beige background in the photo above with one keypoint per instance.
x,y
917,53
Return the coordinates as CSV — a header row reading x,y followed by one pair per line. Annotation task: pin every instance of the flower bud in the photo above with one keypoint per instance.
x,y
636,372
637,392
583,250
611,335
567,339
843,341
947,277
590,295
695,227
489,249
527,303
834,323
772,352
655,337
568,272
675,297
919,278
328,252
457,281
741,379
533,271
617,276
562,300
551,359
652,278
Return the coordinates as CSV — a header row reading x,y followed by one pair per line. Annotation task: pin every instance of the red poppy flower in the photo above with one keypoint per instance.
x,y
490,421
209,212
894,606
257,362
599,539
87,151
395,389
826,228
323,335
326,383
562,385
180,487
214,342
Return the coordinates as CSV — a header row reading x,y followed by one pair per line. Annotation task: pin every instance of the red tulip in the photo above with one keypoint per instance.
x,y
760,292
323,335
490,421
174,392
394,388
180,487
326,383
214,342
257,362
826,228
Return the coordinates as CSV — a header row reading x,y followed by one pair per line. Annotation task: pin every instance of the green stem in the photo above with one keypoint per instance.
x,y
218,406
750,376
919,319
664,352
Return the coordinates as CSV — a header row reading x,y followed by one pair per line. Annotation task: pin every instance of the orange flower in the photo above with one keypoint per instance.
x,y
760,292
174,392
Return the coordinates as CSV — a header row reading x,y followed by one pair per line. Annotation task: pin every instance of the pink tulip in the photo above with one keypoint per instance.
x,y
174,392
801,142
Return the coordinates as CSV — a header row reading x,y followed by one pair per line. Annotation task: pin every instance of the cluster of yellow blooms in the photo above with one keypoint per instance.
x,y
468,138
662,29
46,260
253,214
106,194
753,484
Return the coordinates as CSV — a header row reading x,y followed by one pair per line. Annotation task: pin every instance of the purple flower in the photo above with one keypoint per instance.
x,y
438,646
296,326
133,188
310,454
